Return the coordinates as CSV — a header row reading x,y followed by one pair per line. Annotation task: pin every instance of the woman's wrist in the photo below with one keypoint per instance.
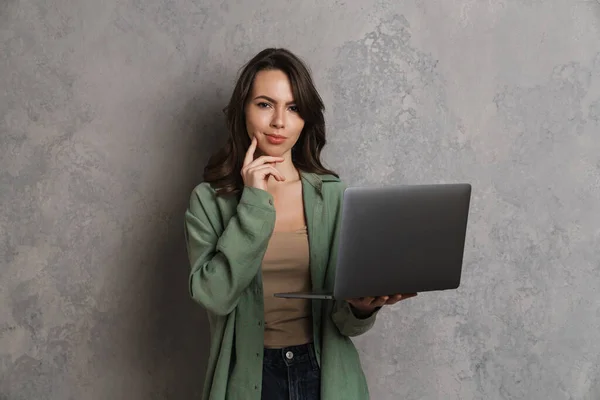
x,y
363,314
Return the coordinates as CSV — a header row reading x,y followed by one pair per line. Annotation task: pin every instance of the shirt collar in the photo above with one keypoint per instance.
x,y
316,180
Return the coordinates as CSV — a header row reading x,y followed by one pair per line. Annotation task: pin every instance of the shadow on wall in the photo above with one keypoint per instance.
x,y
177,340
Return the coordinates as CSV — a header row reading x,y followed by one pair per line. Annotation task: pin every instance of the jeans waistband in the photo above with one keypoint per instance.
x,y
288,356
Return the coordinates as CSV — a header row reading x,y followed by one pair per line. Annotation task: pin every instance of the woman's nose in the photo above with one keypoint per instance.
x,y
278,120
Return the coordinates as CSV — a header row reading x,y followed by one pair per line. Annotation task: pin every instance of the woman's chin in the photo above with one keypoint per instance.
x,y
273,151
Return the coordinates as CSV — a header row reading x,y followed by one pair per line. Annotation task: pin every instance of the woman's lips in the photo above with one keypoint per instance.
x,y
275,139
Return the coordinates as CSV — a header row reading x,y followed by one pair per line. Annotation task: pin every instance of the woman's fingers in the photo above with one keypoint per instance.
x,y
398,297
264,160
380,301
373,302
265,170
255,171
361,302
250,152
366,300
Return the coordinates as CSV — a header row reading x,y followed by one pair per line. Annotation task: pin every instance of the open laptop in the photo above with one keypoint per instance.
x,y
399,239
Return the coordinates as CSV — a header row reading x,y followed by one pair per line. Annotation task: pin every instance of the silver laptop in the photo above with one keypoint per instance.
x,y
399,239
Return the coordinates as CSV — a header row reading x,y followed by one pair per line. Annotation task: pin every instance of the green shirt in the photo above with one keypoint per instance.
x,y
226,241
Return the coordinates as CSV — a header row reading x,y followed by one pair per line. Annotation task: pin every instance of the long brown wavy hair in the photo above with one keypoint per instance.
x,y
223,170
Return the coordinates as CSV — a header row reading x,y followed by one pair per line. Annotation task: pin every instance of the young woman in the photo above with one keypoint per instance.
x,y
266,220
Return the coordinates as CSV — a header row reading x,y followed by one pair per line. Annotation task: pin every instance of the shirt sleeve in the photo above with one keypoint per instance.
x,y
223,266
347,323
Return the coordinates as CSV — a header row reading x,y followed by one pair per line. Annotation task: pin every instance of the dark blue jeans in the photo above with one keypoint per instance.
x,y
291,373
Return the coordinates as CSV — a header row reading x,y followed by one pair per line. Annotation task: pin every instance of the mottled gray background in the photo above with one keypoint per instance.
x,y
109,109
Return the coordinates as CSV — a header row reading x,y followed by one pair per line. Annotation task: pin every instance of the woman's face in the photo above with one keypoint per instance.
x,y
271,114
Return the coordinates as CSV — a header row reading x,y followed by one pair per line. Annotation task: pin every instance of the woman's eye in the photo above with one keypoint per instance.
x,y
294,108
263,105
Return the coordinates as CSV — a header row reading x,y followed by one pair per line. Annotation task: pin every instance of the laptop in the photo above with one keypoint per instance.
x,y
399,239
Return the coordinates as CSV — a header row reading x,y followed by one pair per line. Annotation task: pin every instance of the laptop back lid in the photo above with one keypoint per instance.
x,y
401,239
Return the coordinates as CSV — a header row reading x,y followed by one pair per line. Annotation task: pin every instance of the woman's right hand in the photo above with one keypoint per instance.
x,y
255,173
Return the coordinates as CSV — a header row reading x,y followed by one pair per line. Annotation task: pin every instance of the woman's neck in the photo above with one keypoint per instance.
x,y
288,170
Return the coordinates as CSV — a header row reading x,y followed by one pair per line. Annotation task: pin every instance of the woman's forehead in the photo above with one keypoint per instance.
x,y
274,84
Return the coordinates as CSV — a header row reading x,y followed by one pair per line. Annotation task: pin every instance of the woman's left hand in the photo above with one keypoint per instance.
x,y
368,305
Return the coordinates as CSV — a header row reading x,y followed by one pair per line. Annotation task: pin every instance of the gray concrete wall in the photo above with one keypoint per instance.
x,y
109,109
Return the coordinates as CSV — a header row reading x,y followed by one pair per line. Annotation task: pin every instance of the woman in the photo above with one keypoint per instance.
x,y
266,220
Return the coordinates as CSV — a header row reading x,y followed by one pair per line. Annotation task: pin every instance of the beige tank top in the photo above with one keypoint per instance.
x,y
285,268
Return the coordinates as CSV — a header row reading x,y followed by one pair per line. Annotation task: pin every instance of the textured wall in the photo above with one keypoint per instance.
x,y
109,109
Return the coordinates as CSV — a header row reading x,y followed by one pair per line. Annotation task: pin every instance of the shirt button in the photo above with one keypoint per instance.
x,y
289,355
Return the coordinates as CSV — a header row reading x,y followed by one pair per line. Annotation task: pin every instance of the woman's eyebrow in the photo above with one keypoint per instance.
x,y
272,100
